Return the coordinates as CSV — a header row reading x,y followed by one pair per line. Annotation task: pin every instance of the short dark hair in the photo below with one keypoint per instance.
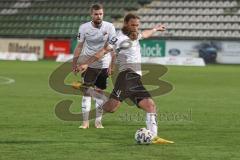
x,y
96,6
130,16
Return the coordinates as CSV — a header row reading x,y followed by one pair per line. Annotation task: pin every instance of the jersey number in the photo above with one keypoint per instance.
x,y
113,40
78,36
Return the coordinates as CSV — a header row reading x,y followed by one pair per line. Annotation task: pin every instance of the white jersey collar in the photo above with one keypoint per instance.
x,y
99,26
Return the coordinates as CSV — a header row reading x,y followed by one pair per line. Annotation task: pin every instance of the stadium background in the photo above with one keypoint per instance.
x,y
200,115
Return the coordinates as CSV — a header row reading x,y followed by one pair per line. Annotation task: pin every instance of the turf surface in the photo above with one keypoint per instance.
x,y
201,115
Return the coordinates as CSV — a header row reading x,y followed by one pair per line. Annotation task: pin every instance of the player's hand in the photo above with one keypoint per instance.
x,y
110,71
75,69
82,68
160,27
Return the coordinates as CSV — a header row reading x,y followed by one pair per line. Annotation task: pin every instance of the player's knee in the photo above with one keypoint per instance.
x,y
151,107
111,106
148,105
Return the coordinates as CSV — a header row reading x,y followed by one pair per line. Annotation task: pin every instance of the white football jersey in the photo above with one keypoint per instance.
x,y
128,52
94,39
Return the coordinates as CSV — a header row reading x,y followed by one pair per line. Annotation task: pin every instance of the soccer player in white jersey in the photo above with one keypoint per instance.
x,y
128,83
91,37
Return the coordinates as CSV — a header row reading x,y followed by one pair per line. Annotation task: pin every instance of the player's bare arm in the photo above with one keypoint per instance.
x,y
112,64
84,65
77,53
150,32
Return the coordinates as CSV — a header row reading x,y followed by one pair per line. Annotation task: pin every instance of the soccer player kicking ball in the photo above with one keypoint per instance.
x,y
128,83
91,38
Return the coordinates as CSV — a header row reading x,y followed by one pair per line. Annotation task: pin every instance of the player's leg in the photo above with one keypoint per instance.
x,y
86,107
116,97
111,105
99,112
101,84
142,98
148,105
89,78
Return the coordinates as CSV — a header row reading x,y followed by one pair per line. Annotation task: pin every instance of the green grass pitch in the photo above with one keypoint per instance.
x,y
201,115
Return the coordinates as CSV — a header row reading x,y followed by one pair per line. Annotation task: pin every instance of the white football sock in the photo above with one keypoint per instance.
x,y
151,121
99,110
86,107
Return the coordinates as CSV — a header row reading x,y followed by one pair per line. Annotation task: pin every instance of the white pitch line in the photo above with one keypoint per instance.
x,y
6,80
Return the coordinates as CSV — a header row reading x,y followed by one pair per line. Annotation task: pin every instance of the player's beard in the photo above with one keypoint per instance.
x,y
133,35
97,22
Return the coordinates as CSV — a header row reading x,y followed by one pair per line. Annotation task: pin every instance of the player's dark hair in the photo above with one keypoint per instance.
x,y
127,18
96,6
130,16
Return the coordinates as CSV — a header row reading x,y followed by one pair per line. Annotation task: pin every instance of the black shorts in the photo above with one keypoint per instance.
x,y
129,85
95,77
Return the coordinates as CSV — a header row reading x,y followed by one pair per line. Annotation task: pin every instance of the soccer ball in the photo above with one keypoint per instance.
x,y
143,136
